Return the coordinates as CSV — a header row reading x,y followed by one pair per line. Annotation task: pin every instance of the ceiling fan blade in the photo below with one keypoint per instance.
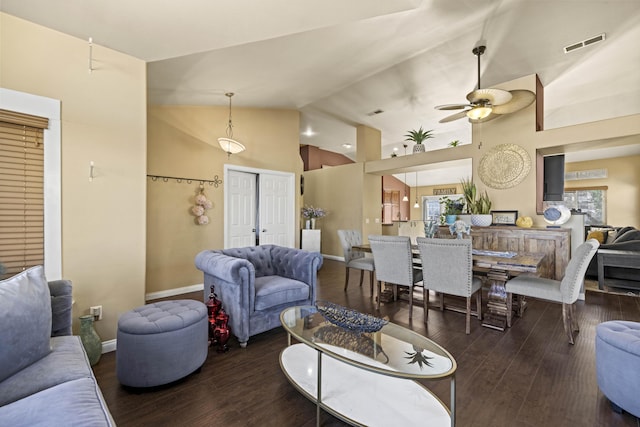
x,y
520,99
456,116
494,96
451,106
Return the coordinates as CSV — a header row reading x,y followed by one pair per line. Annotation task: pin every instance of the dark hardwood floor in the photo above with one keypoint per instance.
x,y
526,376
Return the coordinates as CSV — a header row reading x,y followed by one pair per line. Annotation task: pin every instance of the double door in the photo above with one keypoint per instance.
x,y
259,208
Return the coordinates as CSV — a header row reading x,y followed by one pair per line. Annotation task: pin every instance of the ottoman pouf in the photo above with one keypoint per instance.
x,y
618,364
162,342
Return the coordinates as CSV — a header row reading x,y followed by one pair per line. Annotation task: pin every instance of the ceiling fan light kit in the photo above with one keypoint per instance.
x,y
488,104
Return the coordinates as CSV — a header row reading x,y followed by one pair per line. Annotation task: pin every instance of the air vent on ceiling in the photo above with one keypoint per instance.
x,y
375,112
584,43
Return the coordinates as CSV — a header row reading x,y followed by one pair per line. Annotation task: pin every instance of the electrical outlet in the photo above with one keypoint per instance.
x,y
96,311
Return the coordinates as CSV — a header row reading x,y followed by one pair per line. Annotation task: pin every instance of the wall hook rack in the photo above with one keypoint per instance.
x,y
215,182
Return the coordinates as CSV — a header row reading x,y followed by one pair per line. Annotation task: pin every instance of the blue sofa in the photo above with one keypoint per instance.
x,y
45,375
256,283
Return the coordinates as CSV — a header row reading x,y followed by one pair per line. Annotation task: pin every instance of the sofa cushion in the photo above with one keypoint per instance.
x,y
600,236
25,316
73,403
67,361
627,236
275,290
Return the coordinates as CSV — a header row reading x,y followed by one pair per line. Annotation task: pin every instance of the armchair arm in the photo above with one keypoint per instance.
x,y
61,304
234,281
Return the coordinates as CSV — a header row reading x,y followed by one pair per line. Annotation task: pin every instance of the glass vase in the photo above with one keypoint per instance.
x,y
90,339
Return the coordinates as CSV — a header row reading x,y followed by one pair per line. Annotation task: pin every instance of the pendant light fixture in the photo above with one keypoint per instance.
x,y
405,198
416,205
228,144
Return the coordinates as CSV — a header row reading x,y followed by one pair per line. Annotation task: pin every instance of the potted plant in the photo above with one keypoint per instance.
x,y
478,205
310,214
452,208
418,136
481,211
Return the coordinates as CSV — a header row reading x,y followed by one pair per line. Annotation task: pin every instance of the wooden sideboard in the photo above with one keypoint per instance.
x,y
555,243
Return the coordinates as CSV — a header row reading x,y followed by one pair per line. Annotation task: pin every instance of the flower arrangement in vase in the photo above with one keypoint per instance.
x,y
310,214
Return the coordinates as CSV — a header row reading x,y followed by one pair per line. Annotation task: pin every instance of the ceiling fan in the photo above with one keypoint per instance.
x,y
488,104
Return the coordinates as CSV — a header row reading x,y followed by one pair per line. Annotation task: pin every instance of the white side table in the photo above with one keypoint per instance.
x,y
311,240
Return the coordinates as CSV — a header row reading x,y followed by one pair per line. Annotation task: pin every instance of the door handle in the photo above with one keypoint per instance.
x,y
264,230
253,230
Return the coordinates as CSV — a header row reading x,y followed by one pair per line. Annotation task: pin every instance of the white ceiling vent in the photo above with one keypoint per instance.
x,y
584,43
375,112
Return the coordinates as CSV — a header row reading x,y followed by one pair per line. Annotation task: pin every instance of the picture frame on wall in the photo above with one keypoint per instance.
x,y
504,217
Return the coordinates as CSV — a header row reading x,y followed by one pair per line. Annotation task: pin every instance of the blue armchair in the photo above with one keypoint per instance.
x,y
256,283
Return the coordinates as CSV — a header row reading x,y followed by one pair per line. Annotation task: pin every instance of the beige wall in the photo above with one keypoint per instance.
x,y
183,143
103,119
623,182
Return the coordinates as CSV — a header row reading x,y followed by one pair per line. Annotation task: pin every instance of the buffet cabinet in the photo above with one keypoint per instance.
x,y
555,243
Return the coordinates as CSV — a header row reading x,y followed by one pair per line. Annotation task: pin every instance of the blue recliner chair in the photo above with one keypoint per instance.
x,y
256,283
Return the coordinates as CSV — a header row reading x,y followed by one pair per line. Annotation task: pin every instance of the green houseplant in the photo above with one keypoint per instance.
x,y
419,136
478,204
452,208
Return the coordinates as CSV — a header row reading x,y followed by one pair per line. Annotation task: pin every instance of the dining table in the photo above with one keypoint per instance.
x,y
498,267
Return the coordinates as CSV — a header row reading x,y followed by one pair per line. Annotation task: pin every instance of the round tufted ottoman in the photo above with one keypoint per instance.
x,y
162,342
618,364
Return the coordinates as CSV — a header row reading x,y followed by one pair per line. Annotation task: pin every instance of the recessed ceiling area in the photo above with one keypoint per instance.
x,y
403,57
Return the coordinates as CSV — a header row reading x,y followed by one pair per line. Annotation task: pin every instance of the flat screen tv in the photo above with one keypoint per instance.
x,y
553,178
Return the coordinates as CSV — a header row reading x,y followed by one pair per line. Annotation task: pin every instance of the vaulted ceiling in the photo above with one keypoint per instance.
x,y
339,61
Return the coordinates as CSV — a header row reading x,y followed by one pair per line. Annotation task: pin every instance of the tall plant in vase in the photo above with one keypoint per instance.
x,y
478,204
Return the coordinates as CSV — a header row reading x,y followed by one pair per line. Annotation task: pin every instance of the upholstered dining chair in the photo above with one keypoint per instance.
x,y
394,264
564,291
447,268
355,259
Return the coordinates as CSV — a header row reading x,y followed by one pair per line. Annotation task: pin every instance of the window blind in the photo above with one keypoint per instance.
x,y
21,191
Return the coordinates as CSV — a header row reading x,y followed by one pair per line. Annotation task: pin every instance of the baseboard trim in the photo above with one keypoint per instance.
x,y
108,346
333,257
173,292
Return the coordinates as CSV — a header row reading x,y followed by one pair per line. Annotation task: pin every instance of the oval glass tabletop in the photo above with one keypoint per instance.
x,y
393,350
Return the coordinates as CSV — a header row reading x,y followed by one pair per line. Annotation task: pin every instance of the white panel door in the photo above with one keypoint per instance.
x,y
276,207
241,209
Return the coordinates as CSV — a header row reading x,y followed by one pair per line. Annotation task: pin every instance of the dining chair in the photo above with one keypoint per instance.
x,y
447,268
393,260
355,259
564,291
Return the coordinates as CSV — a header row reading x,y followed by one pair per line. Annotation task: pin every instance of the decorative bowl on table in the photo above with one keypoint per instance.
x,y
349,319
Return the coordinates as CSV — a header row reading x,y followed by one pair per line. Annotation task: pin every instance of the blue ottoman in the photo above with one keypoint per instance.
x,y
162,342
618,364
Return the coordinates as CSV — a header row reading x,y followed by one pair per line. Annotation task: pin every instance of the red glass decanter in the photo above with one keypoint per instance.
x,y
222,332
213,308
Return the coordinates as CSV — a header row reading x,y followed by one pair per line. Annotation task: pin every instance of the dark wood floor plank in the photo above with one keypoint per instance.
x,y
526,376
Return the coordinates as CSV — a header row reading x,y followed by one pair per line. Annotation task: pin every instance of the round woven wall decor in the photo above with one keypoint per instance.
x,y
504,166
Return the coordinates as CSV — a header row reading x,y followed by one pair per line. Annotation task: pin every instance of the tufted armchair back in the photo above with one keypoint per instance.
x,y
258,256
349,238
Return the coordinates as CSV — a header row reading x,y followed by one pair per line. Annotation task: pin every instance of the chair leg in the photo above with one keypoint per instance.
x,y
574,321
566,320
371,282
479,304
467,328
442,301
361,277
379,294
346,280
395,292
509,308
410,301
425,303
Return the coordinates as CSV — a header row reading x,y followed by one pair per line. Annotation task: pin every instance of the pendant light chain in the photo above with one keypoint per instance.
x,y
230,125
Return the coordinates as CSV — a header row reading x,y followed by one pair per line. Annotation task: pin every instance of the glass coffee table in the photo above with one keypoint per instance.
x,y
366,378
